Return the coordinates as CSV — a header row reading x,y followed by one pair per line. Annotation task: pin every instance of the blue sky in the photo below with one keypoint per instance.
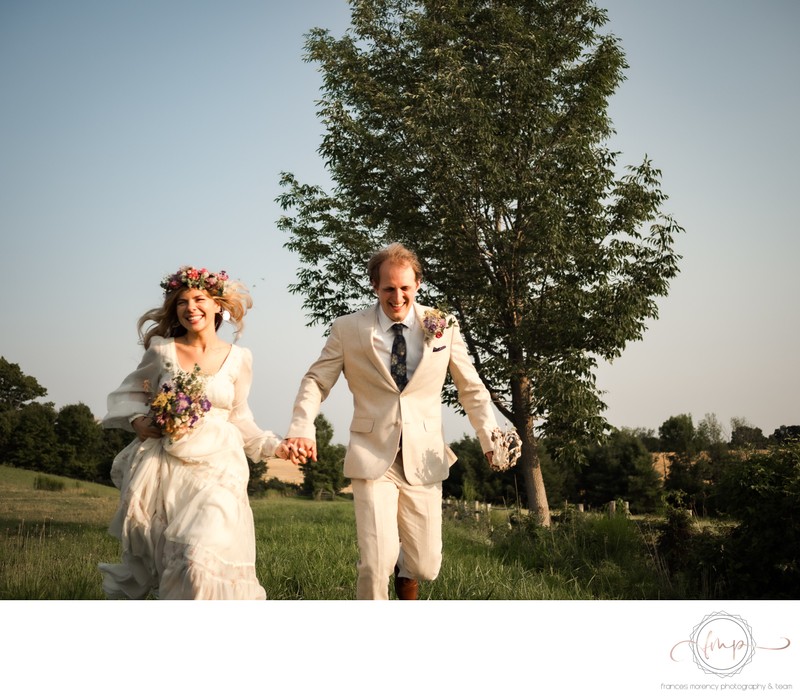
x,y
139,136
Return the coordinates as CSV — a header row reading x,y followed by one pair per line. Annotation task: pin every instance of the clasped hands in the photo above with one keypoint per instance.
x,y
297,450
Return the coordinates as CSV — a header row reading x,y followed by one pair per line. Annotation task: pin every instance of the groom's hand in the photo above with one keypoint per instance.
x,y
282,451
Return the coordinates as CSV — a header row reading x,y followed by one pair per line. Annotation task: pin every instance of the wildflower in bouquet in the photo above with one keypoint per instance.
x,y
434,323
180,404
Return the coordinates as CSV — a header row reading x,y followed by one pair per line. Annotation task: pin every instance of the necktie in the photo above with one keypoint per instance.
x,y
398,365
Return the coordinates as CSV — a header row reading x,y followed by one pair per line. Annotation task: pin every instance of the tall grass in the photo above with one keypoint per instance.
x,y
51,542
305,549
580,557
52,539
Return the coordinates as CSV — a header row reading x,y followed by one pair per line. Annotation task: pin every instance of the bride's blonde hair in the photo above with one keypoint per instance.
x,y
231,296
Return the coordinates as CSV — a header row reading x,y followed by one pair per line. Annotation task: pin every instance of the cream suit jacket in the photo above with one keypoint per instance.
x,y
381,413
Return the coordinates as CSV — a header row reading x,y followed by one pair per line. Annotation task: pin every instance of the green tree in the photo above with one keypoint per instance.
x,y
472,478
762,492
709,433
711,441
326,474
8,424
697,456
745,435
620,468
16,388
34,444
677,434
785,435
648,437
80,439
476,133
692,476
113,441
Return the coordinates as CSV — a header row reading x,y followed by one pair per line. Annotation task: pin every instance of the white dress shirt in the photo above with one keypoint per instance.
x,y
383,338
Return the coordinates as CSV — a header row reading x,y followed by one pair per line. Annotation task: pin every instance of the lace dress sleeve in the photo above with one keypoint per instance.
x,y
133,395
258,444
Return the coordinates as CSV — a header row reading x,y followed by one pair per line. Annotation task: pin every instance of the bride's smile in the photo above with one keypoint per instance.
x,y
196,310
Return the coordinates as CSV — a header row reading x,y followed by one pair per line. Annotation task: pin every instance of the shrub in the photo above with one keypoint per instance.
x,y
691,555
284,489
50,484
606,556
762,492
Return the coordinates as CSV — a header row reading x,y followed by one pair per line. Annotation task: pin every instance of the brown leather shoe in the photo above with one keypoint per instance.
x,y
405,588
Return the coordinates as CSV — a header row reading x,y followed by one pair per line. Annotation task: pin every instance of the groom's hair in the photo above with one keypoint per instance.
x,y
396,254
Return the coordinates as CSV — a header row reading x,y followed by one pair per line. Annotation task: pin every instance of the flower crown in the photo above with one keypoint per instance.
x,y
213,283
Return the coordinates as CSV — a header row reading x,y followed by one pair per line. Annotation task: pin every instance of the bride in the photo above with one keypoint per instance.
x,y
184,519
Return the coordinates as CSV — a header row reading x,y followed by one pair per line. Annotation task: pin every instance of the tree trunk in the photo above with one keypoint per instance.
x,y
534,482
535,491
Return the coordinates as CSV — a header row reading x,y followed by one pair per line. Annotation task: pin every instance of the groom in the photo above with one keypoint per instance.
x,y
397,457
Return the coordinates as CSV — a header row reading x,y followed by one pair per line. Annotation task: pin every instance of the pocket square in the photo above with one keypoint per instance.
x,y
440,348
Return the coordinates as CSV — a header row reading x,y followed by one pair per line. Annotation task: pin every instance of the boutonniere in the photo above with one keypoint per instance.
x,y
434,323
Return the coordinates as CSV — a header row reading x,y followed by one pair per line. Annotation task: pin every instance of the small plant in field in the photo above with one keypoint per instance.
x,y
50,484
602,556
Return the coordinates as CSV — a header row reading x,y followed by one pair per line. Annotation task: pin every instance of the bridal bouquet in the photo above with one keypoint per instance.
x,y
180,403
507,448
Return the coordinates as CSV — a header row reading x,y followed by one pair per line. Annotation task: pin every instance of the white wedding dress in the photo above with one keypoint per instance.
x,y
184,520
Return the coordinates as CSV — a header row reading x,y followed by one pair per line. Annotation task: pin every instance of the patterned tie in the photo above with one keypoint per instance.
x,y
398,365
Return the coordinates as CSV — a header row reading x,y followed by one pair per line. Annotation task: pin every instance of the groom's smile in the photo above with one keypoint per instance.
x,y
396,289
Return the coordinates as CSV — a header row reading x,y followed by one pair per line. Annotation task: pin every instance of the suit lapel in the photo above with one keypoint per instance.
x,y
427,347
367,324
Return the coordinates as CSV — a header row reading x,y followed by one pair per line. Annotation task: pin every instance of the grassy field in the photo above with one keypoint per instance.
x,y
52,539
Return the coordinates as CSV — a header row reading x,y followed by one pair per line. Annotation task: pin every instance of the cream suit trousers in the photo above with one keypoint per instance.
x,y
396,524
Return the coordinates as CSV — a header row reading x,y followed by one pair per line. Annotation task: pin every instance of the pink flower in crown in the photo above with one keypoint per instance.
x,y
190,277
